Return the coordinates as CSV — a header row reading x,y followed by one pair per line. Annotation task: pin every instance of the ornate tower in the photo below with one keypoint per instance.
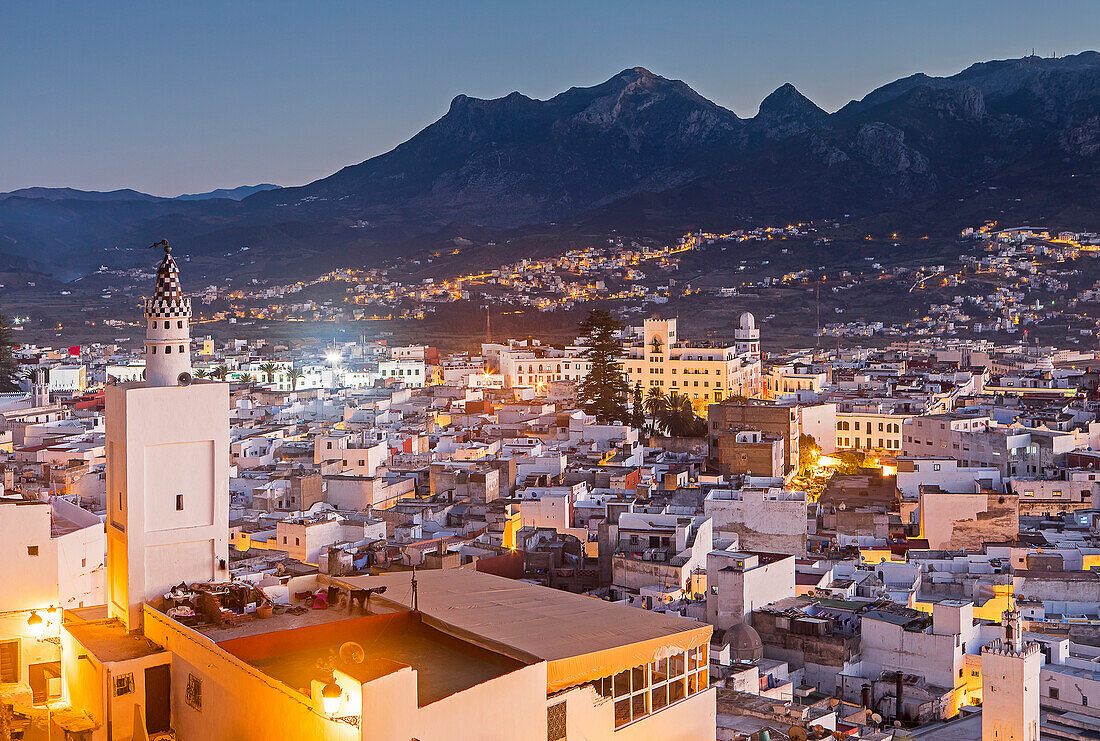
x,y
747,335
168,328
40,388
167,466
1010,684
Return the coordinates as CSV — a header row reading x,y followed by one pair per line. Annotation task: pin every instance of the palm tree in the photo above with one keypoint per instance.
x,y
220,373
655,404
678,417
671,418
245,378
268,369
199,373
294,374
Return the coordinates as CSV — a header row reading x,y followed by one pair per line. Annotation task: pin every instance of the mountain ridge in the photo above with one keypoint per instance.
x,y
637,148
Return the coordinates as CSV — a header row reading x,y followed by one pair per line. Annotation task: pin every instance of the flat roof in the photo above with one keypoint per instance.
x,y
109,641
581,638
387,643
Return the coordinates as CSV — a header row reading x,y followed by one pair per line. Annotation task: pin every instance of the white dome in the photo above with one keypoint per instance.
x,y
748,321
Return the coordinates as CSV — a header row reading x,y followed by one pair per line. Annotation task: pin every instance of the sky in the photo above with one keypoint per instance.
x,y
175,96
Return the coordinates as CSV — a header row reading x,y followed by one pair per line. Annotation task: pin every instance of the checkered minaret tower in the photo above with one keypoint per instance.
x,y
168,332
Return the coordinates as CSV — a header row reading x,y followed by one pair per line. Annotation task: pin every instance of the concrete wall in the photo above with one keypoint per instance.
x,y
966,521
733,593
762,522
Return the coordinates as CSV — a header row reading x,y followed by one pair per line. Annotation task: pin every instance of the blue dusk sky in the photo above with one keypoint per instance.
x,y
173,97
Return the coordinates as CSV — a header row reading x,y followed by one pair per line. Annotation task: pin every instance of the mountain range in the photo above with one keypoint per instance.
x,y
638,151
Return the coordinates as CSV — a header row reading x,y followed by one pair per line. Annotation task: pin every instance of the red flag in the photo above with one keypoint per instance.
x,y
74,350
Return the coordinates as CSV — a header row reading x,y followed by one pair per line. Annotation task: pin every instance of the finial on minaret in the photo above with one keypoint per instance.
x,y
168,332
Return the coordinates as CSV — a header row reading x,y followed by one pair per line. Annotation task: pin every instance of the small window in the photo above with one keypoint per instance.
x,y
179,324
194,692
181,348
179,503
124,684
167,349
1053,693
32,550
935,466
167,324
555,722
297,541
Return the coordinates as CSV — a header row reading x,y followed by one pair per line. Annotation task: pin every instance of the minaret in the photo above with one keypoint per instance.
x,y
1010,684
168,328
40,388
747,335
167,466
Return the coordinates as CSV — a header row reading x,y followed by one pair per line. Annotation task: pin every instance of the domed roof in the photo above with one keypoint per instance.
x,y
744,643
748,321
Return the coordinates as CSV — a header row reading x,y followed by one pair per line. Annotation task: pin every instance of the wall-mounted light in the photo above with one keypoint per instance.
x,y
330,696
36,624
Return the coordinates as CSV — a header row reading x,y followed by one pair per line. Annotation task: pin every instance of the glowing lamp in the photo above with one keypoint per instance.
x,y
36,624
333,357
330,696
53,614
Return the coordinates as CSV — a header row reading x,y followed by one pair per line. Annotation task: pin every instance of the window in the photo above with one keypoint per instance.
x,y
124,684
168,349
9,661
297,541
194,692
1053,693
555,722
32,550
936,466
179,324
1056,493
179,503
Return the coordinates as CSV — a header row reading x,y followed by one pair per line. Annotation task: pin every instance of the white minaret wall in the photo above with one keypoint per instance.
x,y
167,474
1010,686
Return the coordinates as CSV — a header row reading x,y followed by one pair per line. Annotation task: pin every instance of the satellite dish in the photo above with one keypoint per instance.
x,y
797,733
184,379
352,653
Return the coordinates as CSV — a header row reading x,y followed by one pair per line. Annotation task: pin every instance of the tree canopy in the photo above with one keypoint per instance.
x,y
603,392
10,372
